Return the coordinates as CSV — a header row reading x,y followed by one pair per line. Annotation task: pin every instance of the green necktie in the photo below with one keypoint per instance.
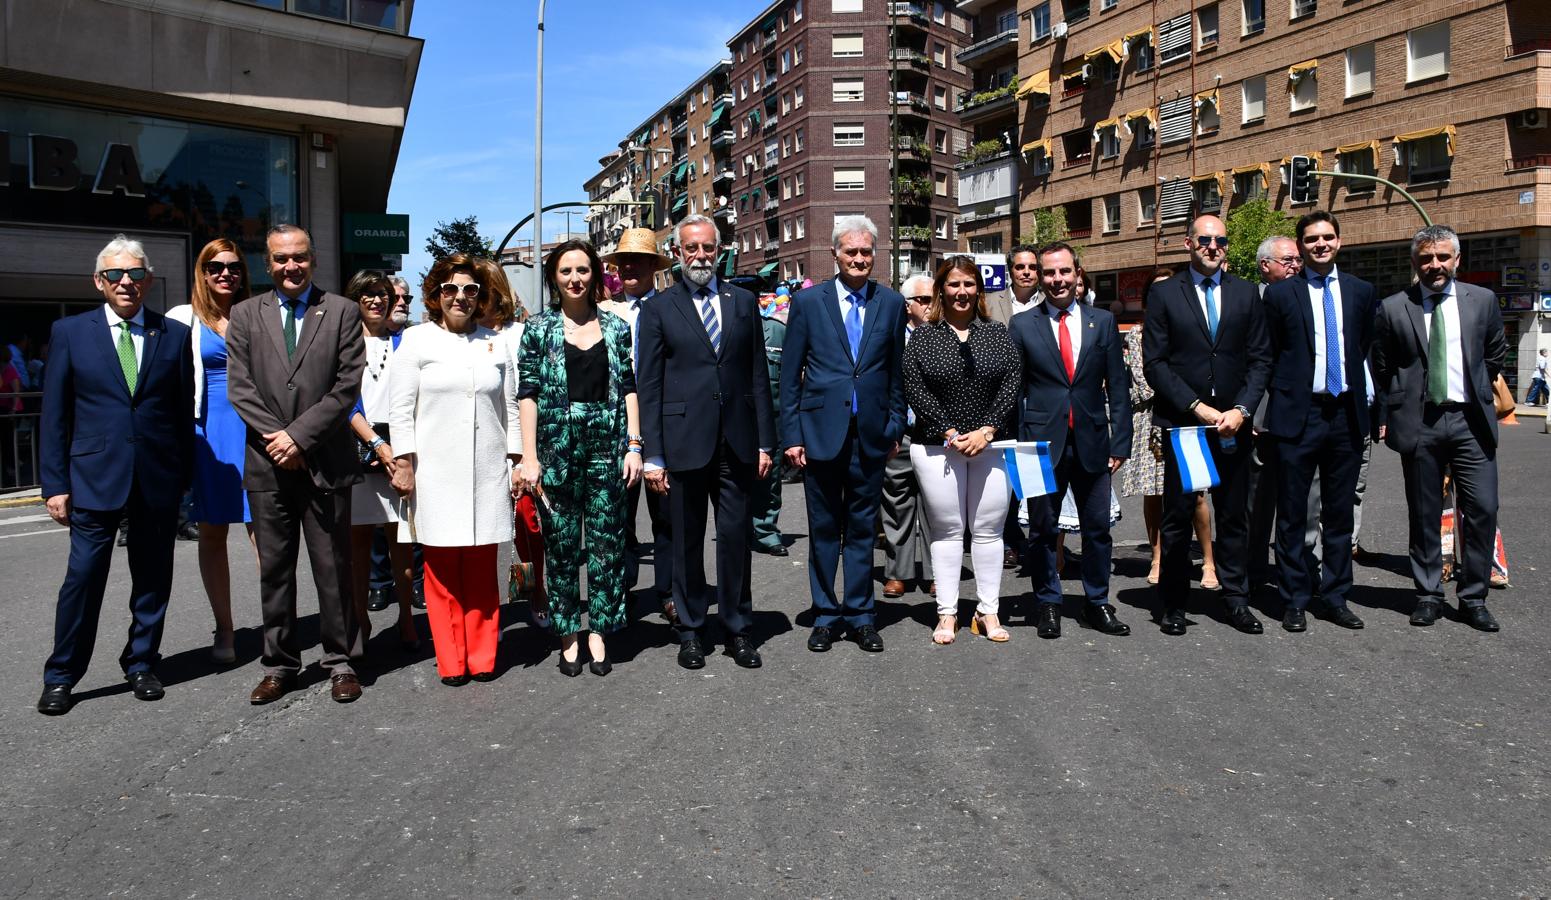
x,y
126,356
1438,355
290,328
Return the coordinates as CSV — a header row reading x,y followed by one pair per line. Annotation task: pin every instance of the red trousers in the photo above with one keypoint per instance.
x,y
463,605
527,539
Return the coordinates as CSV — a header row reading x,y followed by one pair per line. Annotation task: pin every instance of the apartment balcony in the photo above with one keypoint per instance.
x,y
913,105
1532,45
981,50
768,42
913,148
680,126
915,59
1533,161
770,83
724,99
909,15
723,139
726,214
915,236
770,124
725,173
771,205
976,105
772,248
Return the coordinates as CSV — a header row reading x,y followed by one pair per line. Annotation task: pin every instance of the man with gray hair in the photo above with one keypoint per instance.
x,y
903,526
117,446
1438,347
1278,259
842,417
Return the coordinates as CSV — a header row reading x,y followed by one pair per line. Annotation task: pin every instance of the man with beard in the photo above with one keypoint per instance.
x,y
708,429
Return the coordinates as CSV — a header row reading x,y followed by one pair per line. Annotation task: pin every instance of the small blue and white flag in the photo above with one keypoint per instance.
x,y
1197,470
1028,467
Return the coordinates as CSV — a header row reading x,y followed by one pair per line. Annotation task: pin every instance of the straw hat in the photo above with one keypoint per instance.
x,y
642,241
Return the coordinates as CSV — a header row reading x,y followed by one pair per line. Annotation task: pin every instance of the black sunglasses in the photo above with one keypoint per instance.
x,y
114,276
216,267
1206,240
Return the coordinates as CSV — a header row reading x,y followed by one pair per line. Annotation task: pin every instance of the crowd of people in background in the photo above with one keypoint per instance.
x,y
932,422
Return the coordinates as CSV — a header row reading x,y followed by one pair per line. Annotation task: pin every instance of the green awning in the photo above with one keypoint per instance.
x,y
754,117
642,137
681,202
768,269
729,261
717,112
678,171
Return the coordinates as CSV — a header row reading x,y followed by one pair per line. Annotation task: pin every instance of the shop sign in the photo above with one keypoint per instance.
x,y
993,271
1515,276
376,233
53,164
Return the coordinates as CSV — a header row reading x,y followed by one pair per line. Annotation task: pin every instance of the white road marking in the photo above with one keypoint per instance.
x,y
4,537
19,520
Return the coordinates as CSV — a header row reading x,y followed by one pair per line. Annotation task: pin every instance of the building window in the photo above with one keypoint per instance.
x,y
1107,69
1073,11
1141,51
797,54
942,184
846,46
1207,119
939,54
802,230
786,103
1252,93
797,11
786,60
1174,205
1076,147
772,154
850,134
939,13
850,179
1206,25
1142,128
1109,141
797,97
1427,160
1254,16
1174,39
1107,5
798,181
940,227
1357,162
1305,92
939,96
845,6
1174,120
1359,70
797,141
1039,23
1112,214
1249,186
786,146
1427,52
786,230
786,189
848,90
1146,205
1207,196
1301,8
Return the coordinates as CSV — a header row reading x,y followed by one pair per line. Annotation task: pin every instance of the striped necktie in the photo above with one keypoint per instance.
x,y
713,328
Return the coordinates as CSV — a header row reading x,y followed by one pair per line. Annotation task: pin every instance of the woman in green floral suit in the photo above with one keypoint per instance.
x,y
581,448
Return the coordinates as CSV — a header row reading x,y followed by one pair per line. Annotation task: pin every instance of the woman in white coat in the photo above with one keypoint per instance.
x,y
454,420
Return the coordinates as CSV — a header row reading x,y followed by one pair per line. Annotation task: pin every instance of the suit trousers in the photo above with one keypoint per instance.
x,y
1262,513
766,508
1230,507
92,536
1091,491
1447,443
842,498
662,539
901,519
1332,446
724,483
281,520
463,606
964,493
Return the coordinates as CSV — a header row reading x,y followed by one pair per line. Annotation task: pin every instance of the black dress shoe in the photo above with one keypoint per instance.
x,y
1293,619
417,598
571,668
1479,618
1102,618
691,656
777,550
868,638
1049,624
1426,613
743,653
1345,617
56,700
821,639
377,599
455,680
483,676
1241,618
600,667
146,686
1173,622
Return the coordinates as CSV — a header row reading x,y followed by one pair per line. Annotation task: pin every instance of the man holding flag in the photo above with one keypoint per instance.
x,y
1207,357
1076,398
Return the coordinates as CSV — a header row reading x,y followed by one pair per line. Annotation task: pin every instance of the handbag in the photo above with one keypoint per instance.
x,y
1502,398
364,452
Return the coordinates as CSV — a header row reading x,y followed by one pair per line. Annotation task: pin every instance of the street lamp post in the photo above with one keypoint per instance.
x,y
538,171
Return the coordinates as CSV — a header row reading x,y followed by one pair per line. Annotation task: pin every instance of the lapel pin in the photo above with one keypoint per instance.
x,y
151,333
318,313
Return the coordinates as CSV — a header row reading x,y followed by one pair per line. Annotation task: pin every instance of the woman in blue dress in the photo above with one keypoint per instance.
x,y
220,437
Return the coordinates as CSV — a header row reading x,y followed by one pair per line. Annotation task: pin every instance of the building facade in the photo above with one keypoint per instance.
x,y
612,184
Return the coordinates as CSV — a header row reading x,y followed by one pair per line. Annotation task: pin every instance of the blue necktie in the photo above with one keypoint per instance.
x,y
713,329
1211,307
1332,342
854,335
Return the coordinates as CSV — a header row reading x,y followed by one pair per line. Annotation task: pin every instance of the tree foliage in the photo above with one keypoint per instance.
x,y
1049,226
1248,225
457,236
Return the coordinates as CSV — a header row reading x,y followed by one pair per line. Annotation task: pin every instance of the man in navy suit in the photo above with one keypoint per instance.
x,y
118,436
842,416
1076,395
708,428
1207,358
1320,324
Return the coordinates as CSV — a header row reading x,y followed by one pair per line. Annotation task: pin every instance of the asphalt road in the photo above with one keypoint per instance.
x,y
1391,762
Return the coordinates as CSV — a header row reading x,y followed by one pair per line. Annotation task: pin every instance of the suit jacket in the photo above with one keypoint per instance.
x,y
1290,327
1098,394
309,395
543,379
999,305
98,436
1183,363
1400,362
819,375
693,397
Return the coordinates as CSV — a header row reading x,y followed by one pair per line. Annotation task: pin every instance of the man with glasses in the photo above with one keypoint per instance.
x,y
117,446
708,428
1206,356
296,360
1321,329
1278,259
899,508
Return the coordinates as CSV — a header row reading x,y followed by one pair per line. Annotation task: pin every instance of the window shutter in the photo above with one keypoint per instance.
x,y
1174,120
1175,203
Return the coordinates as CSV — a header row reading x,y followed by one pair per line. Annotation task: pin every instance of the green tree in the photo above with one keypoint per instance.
x,y
1248,225
457,236
1049,226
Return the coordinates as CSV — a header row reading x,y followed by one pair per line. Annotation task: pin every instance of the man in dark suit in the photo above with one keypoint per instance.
x,y
842,416
296,358
1206,356
1320,324
1076,395
117,446
708,428
1438,347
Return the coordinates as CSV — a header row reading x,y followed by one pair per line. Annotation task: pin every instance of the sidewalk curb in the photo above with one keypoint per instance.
x,y
19,502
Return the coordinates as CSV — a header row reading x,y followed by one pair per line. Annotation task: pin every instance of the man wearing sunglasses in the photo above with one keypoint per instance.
x,y
1205,354
296,359
1321,329
117,446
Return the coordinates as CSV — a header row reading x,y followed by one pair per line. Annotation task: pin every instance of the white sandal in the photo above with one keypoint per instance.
x,y
996,633
946,626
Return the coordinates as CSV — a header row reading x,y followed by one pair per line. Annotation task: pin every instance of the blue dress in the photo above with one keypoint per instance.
x,y
220,441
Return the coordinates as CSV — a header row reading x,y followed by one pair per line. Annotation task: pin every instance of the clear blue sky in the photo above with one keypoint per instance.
x,y
468,147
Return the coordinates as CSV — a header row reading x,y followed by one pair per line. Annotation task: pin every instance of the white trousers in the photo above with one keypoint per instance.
x,y
963,492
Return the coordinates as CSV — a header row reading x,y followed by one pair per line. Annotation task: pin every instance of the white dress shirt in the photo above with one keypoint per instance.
x,y
1196,278
1019,306
844,293
1073,327
136,332
303,303
1316,291
1456,348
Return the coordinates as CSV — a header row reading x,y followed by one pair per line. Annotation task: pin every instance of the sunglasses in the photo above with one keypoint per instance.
x,y
378,294
216,267
114,276
452,289
920,298
1207,240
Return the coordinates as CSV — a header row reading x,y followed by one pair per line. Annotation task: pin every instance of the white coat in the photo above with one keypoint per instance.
x,y
454,407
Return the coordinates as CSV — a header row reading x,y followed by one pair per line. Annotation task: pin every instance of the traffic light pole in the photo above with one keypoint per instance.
x,y
1426,219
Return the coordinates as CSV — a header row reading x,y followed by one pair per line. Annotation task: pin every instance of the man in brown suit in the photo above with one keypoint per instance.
x,y
295,359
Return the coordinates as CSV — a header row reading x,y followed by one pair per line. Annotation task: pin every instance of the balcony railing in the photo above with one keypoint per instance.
x,y
914,148
913,105
906,57
978,49
1533,161
725,172
1080,234
983,101
770,124
914,13
772,204
772,247
770,83
1531,45
726,212
723,138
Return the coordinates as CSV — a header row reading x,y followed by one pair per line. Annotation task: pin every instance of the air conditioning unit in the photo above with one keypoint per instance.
x,y
1087,71
1058,31
1530,118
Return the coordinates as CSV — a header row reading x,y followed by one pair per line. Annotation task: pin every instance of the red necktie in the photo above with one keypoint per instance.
x,y
1066,357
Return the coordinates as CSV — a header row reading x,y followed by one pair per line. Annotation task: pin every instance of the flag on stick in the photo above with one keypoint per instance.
x,y
1028,467
1197,470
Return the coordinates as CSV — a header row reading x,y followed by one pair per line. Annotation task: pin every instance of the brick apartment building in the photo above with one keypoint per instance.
x,y
614,183
1135,116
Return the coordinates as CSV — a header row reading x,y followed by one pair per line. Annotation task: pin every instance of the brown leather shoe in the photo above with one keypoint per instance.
x,y
345,687
272,688
931,589
893,588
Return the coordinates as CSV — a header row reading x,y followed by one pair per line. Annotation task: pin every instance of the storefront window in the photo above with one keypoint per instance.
x,y
67,165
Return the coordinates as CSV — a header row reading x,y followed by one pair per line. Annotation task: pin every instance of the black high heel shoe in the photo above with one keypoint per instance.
x,y
601,667
571,668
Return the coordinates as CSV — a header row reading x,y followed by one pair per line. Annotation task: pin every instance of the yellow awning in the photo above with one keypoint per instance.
x,y
1295,73
1317,157
1207,97
1115,51
1150,114
1042,145
1209,176
1140,32
1038,83
1072,68
1100,126
1370,146
1427,133
1263,168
